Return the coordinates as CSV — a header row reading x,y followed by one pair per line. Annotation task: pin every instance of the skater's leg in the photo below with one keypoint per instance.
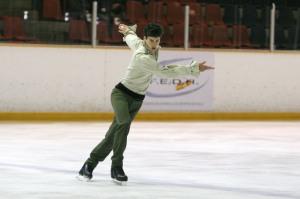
x,y
120,141
98,154
119,145
120,138
102,150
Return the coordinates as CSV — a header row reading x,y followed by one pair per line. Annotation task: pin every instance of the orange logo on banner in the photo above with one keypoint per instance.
x,y
183,85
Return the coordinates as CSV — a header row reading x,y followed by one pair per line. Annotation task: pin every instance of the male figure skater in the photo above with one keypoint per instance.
x,y
128,95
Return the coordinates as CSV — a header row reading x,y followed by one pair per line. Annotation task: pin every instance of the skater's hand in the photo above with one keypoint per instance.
x,y
203,67
123,28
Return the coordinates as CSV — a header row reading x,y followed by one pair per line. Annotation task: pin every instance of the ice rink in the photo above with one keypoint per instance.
x,y
203,160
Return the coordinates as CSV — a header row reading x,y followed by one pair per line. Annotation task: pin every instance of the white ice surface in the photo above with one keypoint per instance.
x,y
207,160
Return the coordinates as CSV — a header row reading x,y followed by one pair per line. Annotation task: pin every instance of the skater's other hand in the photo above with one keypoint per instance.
x,y
123,28
203,67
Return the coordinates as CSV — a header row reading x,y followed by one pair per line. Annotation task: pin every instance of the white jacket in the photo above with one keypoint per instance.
x,y
144,65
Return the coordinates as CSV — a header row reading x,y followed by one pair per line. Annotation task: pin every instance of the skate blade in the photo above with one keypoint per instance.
x,y
82,178
121,183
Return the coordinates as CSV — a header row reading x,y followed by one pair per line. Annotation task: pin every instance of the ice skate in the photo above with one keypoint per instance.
x,y
85,173
118,176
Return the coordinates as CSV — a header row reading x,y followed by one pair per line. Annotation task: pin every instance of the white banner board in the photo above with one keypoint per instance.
x,y
184,93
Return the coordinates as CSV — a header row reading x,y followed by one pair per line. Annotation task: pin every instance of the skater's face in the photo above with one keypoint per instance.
x,y
152,42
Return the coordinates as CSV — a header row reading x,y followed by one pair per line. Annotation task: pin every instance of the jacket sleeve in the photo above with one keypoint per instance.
x,y
150,65
131,39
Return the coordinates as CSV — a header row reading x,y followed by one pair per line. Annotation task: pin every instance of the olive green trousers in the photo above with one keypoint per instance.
x,y
125,108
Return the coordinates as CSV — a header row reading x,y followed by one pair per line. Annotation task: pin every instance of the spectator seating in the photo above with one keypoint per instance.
x,y
156,12
175,12
240,36
178,34
140,29
249,15
293,38
52,10
200,36
116,37
135,11
196,15
231,14
13,29
286,17
102,32
213,14
258,36
281,41
167,38
220,36
79,31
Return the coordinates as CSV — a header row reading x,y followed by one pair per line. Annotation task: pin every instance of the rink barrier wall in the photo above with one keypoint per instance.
x,y
75,82
171,116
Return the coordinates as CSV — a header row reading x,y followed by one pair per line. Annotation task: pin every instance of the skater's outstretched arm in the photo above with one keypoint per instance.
x,y
152,66
130,37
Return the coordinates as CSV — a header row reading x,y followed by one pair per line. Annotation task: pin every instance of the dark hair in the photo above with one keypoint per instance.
x,y
153,30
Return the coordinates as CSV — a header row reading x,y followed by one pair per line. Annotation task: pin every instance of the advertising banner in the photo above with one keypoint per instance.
x,y
184,93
